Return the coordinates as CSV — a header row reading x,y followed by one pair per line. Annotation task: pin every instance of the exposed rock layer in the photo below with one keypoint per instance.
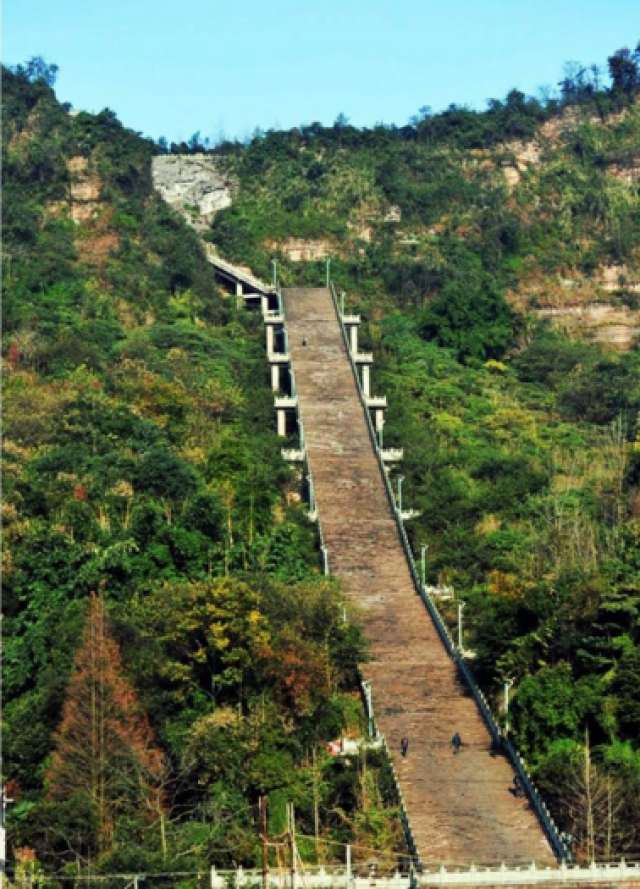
x,y
194,185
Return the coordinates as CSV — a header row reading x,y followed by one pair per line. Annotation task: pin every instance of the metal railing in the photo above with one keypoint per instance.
x,y
544,817
375,734
324,552
410,840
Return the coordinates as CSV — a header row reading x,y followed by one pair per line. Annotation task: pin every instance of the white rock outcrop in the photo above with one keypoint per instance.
x,y
195,185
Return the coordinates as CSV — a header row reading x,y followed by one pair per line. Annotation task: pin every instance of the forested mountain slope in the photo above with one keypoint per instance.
x,y
141,465
171,651
543,195
462,237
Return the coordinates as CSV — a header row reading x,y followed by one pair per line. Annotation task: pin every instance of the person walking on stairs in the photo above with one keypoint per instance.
x,y
404,746
456,743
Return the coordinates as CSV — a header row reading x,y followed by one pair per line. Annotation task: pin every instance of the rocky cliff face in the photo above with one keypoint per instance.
x,y
194,185
615,326
603,307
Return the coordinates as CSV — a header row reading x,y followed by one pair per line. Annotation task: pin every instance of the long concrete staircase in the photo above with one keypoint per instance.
x,y
461,807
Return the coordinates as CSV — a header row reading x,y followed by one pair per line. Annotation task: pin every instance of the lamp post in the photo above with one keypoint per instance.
x,y
400,480
342,296
328,271
507,686
4,801
312,499
423,559
325,558
461,607
274,263
366,688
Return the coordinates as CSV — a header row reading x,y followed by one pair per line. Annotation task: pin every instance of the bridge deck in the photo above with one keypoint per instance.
x,y
460,807
237,273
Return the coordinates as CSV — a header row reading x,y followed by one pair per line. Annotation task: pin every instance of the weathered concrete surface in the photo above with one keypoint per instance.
x,y
194,185
460,807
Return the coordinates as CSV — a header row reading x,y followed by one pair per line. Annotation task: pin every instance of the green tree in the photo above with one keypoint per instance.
x,y
37,69
470,315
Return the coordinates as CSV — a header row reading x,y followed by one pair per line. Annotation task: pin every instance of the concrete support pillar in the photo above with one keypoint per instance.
x,y
270,339
353,336
275,377
282,423
379,412
366,379
265,304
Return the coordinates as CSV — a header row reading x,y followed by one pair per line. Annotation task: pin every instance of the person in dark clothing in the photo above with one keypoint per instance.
x,y
304,341
456,743
404,746
518,786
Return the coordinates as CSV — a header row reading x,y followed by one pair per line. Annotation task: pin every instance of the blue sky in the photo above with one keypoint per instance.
x,y
170,68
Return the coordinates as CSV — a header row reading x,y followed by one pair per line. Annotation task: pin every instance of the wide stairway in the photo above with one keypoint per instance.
x,y
460,807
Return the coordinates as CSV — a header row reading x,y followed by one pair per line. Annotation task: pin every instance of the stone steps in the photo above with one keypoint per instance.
x,y
460,807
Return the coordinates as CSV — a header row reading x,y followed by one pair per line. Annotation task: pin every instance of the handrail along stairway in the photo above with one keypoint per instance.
x,y
560,850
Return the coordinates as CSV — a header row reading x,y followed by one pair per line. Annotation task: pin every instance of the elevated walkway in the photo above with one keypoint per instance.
x,y
461,808
244,282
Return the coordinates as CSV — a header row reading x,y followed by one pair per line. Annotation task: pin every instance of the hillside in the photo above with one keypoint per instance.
x,y
142,466
553,216
157,558
496,257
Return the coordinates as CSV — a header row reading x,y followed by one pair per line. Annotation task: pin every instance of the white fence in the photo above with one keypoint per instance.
x,y
340,878
594,874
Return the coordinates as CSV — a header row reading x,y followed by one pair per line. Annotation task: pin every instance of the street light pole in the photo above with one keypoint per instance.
x,y
312,499
328,271
366,687
423,558
325,558
507,686
400,480
4,801
274,263
461,607
342,296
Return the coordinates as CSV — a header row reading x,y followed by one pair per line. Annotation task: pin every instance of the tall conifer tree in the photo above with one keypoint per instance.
x,y
104,744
